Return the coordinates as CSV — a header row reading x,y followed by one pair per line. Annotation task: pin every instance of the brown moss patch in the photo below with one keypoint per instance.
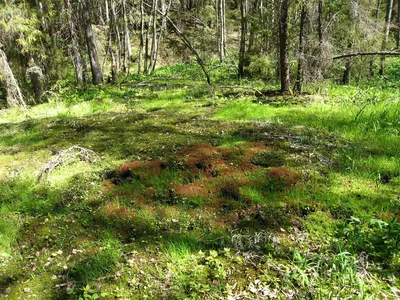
x,y
116,211
287,175
192,190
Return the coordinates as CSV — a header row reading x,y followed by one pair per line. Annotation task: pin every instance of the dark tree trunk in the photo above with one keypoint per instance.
x,y
97,75
347,70
300,66
398,25
284,48
243,34
346,74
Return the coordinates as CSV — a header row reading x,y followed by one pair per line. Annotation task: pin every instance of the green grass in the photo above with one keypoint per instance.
x,y
199,196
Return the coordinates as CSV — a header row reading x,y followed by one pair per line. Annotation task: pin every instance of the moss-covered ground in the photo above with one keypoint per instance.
x,y
202,194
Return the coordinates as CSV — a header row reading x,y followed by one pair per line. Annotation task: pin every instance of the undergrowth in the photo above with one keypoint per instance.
x,y
202,194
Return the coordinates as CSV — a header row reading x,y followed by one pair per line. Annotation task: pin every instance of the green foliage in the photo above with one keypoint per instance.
x,y
379,239
261,67
265,181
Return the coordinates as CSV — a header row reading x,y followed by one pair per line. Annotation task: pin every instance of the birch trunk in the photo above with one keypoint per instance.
x,y
141,46
154,37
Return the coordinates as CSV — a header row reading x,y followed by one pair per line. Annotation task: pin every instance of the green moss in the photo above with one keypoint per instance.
x,y
136,236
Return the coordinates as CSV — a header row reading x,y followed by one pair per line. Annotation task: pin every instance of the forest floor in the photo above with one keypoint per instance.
x,y
192,195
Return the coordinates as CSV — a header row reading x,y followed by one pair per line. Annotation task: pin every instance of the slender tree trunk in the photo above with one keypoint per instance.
x,y
97,75
300,65
284,48
221,29
387,30
276,46
164,9
192,49
378,9
76,58
141,46
398,26
117,35
110,23
187,43
243,34
154,38
127,39
107,12
147,41
347,70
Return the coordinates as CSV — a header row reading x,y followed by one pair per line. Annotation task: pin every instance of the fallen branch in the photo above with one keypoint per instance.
x,y
67,156
380,53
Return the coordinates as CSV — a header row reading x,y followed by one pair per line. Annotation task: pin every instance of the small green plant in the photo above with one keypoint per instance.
x,y
378,238
89,294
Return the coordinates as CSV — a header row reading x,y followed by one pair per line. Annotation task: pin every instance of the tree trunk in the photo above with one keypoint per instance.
x,y
117,35
386,37
398,26
147,41
127,39
154,38
378,9
97,75
187,43
284,48
347,70
300,65
35,76
141,46
164,9
221,29
76,58
193,50
243,34
14,95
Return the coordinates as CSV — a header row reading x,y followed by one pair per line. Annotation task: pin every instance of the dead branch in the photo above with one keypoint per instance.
x,y
67,156
380,53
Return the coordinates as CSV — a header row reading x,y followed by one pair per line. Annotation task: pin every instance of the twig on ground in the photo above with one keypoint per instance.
x,y
67,156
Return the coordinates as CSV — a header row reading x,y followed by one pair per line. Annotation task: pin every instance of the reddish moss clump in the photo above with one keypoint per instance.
x,y
287,175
